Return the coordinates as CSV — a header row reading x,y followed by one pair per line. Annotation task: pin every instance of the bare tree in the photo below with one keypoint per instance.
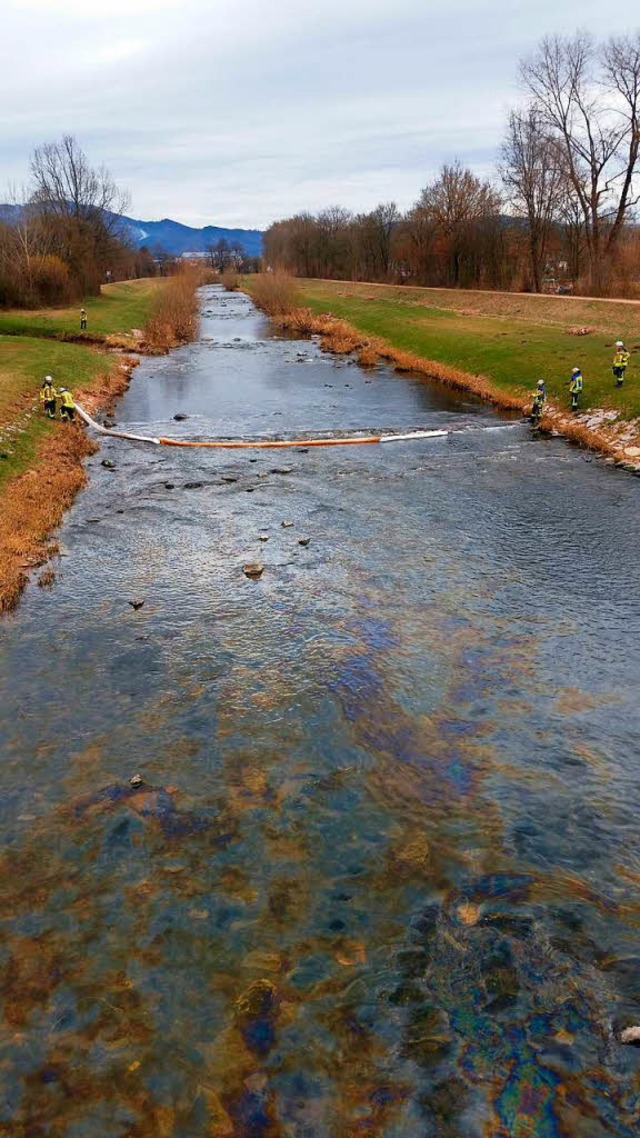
x,y
421,234
456,202
65,184
588,99
533,177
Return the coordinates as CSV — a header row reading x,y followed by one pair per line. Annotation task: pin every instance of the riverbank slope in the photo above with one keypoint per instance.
x,y
497,345
41,460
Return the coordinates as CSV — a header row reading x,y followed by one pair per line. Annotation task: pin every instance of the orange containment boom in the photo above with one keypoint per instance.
x,y
239,444
263,444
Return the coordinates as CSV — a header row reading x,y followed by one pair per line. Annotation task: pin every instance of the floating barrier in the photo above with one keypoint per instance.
x,y
241,444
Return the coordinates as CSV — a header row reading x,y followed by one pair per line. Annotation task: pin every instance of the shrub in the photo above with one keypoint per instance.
x,y
230,280
274,293
51,283
174,318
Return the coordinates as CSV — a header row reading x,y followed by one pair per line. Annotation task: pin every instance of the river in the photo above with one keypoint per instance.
x,y
381,876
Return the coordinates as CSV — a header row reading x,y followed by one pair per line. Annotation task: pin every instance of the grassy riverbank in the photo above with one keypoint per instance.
x,y
120,308
512,340
40,460
495,345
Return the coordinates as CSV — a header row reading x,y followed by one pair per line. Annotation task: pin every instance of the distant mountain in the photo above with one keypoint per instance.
x,y
178,239
172,235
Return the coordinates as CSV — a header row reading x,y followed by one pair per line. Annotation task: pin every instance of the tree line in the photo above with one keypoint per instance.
x,y
558,213
63,237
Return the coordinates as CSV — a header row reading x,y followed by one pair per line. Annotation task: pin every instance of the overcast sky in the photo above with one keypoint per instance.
x,y
237,112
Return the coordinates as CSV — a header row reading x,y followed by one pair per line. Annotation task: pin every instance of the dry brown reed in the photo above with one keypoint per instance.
x,y
230,280
367,357
174,317
564,424
342,338
33,505
274,293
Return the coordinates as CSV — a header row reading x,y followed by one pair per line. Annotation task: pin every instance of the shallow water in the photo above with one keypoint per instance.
x,y
382,877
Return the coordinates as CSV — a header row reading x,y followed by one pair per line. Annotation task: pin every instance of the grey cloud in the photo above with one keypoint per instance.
x,y
238,111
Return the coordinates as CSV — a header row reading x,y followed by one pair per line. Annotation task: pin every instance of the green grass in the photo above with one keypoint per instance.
x,y
512,340
32,346
25,360
118,309
23,363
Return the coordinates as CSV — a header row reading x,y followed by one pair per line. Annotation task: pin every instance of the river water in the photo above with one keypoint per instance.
x,y
382,874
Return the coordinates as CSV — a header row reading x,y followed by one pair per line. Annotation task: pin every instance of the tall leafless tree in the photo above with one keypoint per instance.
x,y
66,184
533,177
82,206
458,201
588,98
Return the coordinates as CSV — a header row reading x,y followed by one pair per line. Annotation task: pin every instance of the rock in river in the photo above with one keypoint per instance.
x,y
180,417
108,464
630,1035
253,569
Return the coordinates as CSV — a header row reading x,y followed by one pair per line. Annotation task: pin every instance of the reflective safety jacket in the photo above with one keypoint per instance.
x,y
66,399
575,387
621,358
539,397
47,394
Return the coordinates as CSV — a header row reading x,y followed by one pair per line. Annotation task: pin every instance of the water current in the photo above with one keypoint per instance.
x,y
381,877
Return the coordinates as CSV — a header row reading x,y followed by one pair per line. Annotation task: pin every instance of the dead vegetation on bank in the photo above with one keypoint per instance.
x,y
34,502
174,316
230,279
276,294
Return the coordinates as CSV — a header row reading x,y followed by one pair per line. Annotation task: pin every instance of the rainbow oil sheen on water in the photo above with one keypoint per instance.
x,y
381,877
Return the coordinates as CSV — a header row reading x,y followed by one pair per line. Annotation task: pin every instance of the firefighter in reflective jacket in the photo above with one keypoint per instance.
x,y
48,397
67,406
575,387
620,361
538,402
